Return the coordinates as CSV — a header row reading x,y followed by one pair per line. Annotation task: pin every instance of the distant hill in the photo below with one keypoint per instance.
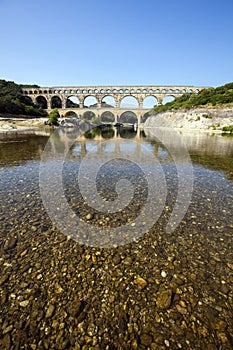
x,y
12,100
211,97
103,105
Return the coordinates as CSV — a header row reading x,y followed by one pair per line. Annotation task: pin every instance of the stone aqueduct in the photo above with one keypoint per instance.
x,y
47,95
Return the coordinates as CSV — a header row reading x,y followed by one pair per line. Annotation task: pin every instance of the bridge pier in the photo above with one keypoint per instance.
x,y
63,104
159,101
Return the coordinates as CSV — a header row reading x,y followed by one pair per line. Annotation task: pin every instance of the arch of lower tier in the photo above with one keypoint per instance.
x,y
108,116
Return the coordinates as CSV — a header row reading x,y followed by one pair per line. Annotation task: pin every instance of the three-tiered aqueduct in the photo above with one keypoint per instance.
x,y
51,97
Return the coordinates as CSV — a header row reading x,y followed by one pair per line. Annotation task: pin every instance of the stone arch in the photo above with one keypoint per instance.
x,y
90,101
108,101
56,102
88,115
129,101
107,117
42,102
128,117
150,102
71,114
72,101
168,98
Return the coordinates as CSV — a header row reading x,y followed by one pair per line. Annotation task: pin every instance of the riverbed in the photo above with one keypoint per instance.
x,y
75,275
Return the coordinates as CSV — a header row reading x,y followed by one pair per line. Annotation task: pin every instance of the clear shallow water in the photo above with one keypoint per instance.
x,y
41,267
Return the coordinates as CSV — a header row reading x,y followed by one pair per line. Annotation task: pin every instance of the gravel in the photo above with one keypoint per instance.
x,y
164,290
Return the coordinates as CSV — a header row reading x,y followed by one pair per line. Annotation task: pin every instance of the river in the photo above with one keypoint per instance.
x,y
116,239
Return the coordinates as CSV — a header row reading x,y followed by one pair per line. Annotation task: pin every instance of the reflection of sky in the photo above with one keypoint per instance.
x,y
107,147
124,149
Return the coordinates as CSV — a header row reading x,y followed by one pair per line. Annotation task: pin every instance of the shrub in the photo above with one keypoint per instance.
x,y
53,117
207,116
228,128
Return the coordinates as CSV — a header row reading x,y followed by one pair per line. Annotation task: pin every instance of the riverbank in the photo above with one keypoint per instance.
x,y
199,119
208,119
15,124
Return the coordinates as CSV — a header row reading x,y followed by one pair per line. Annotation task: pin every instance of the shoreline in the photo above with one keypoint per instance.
x,y
207,120
15,125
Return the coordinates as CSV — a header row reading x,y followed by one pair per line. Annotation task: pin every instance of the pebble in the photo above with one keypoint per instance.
x,y
24,303
163,274
7,329
218,324
10,243
181,309
89,216
146,339
50,311
7,342
3,279
140,281
230,266
164,299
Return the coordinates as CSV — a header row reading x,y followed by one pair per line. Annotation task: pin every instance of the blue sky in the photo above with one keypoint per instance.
x,y
104,42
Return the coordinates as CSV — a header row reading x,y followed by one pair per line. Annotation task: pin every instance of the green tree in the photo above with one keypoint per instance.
x,y
211,96
13,101
54,116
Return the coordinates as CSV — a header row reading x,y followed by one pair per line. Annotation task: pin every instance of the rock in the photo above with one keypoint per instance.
x,y
4,297
73,310
76,309
116,259
164,299
134,344
218,324
89,216
24,303
3,279
10,243
181,309
6,342
146,339
50,311
140,281
127,261
163,274
230,266
7,329
122,324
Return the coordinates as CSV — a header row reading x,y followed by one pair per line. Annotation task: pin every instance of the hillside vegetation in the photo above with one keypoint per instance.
x,y
12,100
211,97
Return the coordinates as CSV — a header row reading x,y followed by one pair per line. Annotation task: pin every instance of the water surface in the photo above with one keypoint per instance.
x,y
59,293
